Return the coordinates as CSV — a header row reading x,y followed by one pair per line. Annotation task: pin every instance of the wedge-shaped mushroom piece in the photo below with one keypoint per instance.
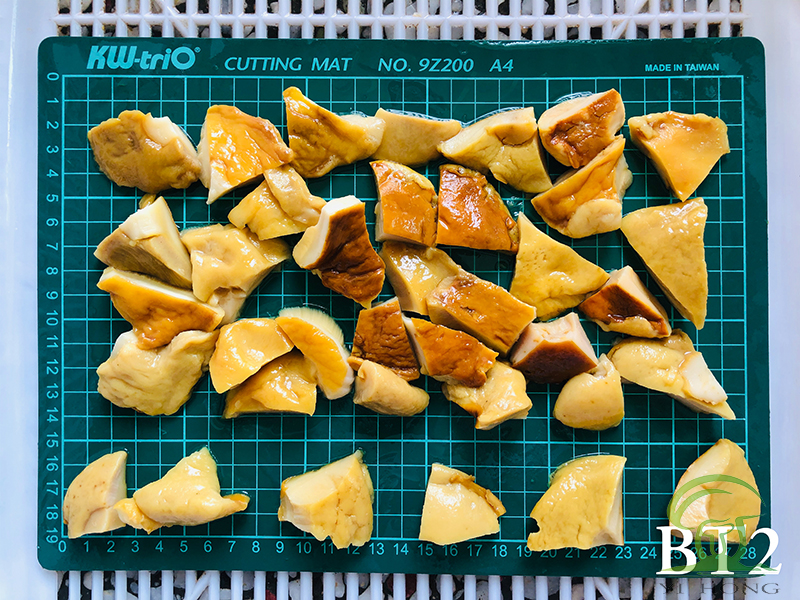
x,y
577,130
588,201
338,250
413,272
457,509
322,140
286,384
381,337
624,305
592,400
188,494
236,148
471,212
500,399
261,213
448,355
717,489
139,150
482,309
243,348
383,391
554,351
157,311
582,507
406,208
292,194
411,139
155,381
229,263
148,242
669,239
334,501
551,276
672,365
130,514
90,499
684,148
321,341
507,144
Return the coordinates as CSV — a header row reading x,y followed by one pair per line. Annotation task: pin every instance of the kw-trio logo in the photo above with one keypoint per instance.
x,y
107,56
690,517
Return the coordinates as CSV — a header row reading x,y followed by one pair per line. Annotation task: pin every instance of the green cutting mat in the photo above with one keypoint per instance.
x,y
84,81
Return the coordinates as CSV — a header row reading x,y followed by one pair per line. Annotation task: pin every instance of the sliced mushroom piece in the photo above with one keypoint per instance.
x,y
482,309
414,272
236,148
339,251
406,207
507,144
139,150
588,201
381,390
554,351
90,498
592,400
322,140
260,212
411,139
157,311
582,507
155,381
501,398
684,148
574,132
291,192
148,242
625,305
471,212
448,355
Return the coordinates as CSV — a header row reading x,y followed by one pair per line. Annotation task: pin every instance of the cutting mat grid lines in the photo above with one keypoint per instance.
x,y
659,437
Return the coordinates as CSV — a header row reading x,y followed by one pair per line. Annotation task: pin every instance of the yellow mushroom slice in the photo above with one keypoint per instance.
x,y
412,139
507,144
291,192
592,400
414,272
551,276
155,381
671,365
157,311
338,250
383,391
482,309
406,207
333,501
90,499
261,213
130,514
717,490
457,509
322,140
669,239
684,148
624,305
448,355
236,148
582,507
139,150
285,384
381,337
500,399
471,212
321,341
588,201
554,351
229,263
574,132
243,348
148,242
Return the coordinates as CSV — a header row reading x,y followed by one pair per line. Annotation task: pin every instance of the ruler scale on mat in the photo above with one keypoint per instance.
x,y
83,82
